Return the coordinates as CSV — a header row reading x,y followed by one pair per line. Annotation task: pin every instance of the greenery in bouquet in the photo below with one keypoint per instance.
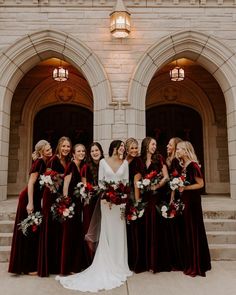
x,y
174,209
150,179
51,179
31,223
63,209
85,192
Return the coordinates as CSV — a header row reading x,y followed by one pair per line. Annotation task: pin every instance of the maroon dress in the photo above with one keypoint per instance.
x,y
90,172
196,252
136,229
73,248
157,252
51,230
175,225
24,250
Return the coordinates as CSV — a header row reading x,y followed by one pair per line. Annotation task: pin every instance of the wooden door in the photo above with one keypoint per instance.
x,y
166,121
64,120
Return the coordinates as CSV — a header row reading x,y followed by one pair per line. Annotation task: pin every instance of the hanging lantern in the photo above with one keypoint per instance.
x,y
60,74
177,74
120,21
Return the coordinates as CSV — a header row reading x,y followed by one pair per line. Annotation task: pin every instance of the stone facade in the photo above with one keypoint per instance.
x,y
120,74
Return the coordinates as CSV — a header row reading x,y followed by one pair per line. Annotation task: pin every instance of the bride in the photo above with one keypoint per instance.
x,y
110,265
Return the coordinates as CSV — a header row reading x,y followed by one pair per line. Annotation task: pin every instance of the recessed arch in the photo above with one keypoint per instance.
x,y
217,58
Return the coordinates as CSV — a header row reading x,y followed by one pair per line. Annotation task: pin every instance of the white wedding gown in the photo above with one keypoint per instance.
x,y
110,265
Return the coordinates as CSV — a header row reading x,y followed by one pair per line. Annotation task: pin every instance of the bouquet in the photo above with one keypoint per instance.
x,y
31,223
114,192
135,210
51,179
171,210
85,192
177,182
63,208
150,179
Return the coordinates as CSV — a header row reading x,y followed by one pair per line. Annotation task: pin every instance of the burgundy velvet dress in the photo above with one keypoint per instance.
x,y
73,248
90,172
24,250
136,229
157,252
49,260
175,225
196,252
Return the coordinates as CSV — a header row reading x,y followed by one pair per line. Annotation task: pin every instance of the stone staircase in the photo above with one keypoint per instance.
x,y
219,217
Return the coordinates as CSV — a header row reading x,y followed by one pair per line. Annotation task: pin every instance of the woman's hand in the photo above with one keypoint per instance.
x,y
30,207
181,189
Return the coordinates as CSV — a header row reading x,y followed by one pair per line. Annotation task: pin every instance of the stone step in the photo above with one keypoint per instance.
x,y
5,239
7,216
223,251
6,226
5,253
220,224
219,214
221,237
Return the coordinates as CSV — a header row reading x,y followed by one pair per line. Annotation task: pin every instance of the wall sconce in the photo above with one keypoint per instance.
x,y
120,21
177,73
60,74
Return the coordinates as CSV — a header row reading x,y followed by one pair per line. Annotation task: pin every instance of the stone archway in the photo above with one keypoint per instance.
x,y
212,55
27,52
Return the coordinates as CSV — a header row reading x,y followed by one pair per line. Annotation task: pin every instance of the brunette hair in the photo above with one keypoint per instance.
x,y
144,148
170,157
92,166
115,144
38,149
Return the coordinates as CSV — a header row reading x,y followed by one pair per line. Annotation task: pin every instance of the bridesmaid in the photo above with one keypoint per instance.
x,y
24,250
89,174
175,225
73,248
135,230
156,241
51,230
196,251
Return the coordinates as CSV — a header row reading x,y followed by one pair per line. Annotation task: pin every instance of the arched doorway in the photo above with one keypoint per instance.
x,y
171,120
64,120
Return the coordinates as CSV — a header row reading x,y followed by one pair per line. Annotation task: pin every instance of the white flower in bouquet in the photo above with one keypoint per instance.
x,y
176,182
164,209
66,212
140,213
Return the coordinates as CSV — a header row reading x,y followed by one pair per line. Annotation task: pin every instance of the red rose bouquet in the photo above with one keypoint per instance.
x,y
51,179
114,192
171,210
150,179
63,208
85,192
134,210
31,223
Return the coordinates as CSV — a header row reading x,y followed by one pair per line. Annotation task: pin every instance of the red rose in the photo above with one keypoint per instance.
x,y
175,173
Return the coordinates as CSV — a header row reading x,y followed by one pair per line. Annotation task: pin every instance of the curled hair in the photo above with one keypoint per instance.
x,y
93,166
129,142
189,151
38,149
60,143
171,156
115,144
144,148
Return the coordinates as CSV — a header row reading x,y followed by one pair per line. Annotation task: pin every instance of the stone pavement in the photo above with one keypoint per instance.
x,y
221,280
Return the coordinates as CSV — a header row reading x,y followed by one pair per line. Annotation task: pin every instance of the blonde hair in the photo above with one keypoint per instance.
x,y
189,151
170,157
129,142
38,149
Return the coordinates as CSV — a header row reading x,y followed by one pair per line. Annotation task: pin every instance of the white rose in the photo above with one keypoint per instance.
x,y
66,212
71,208
134,217
146,182
164,209
140,214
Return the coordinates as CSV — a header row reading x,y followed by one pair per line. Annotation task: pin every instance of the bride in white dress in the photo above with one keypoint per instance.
x,y
110,265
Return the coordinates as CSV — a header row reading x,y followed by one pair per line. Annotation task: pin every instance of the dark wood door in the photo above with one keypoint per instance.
x,y
64,120
166,121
